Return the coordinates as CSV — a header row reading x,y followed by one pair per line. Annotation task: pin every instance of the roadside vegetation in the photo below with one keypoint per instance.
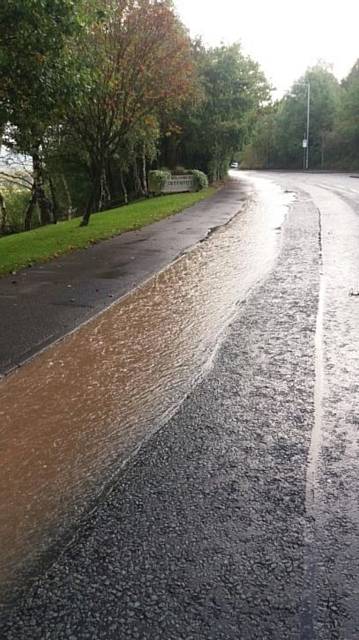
x,y
39,245
95,93
276,139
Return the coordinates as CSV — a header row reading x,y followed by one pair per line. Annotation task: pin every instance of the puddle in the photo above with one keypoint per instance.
x,y
74,414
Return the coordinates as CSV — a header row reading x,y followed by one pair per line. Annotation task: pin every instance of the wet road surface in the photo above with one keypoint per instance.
x,y
333,472
44,303
239,518
73,415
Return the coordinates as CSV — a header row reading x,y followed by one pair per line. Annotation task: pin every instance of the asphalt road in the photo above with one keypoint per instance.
x,y
239,519
332,553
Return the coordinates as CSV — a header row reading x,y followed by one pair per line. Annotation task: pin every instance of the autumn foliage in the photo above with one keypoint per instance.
x,y
104,90
143,66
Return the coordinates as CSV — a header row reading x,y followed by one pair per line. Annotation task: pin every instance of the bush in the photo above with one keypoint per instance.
x,y
157,180
200,179
180,171
16,201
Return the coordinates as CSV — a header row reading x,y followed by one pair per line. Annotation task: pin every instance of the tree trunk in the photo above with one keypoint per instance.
x,y
123,187
55,205
70,210
38,177
29,211
105,196
144,172
100,196
3,215
137,181
322,151
110,182
94,196
89,208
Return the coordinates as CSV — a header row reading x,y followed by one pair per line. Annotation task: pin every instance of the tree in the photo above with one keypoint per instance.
x,y
138,61
260,152
286,127
35,73
348,119
232,89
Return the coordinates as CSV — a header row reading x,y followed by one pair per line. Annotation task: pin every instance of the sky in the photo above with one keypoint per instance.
x,y
285,37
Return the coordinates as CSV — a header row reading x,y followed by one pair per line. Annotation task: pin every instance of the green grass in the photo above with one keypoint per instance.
x,y
40,245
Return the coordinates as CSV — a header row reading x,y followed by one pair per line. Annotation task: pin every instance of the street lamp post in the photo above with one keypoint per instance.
x,y
308,126
306,139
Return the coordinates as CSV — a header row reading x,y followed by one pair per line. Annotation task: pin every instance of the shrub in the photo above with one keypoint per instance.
x,y
180,171
200,179
16,201
157,180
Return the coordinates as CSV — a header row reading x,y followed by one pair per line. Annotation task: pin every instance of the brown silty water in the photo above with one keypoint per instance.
x,y
72,416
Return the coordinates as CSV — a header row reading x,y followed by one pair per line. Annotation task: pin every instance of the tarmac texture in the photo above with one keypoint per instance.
x,y
239,518
204,535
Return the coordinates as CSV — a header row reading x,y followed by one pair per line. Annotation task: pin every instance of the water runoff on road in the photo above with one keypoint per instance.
x,y
75,414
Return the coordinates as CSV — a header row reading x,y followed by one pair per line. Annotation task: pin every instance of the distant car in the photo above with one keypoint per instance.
x,y
234,165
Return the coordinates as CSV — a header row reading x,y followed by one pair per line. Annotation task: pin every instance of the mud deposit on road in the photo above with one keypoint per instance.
x,y
73,415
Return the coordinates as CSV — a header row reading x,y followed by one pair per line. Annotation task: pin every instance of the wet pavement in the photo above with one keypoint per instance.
x,y
41,304
333,472
239,518
73,415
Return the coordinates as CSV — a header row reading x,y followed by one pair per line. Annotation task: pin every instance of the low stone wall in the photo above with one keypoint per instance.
x,y
179,184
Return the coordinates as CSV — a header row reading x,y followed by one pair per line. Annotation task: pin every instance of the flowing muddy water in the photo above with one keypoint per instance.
x,y
75,413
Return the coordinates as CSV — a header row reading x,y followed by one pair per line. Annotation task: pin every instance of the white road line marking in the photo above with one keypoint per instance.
x,y
336,188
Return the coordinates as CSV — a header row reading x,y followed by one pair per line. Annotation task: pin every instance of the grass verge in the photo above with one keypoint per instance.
x,y
40,245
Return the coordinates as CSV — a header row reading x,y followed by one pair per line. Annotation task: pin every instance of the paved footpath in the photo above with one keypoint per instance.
x,y
41,304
